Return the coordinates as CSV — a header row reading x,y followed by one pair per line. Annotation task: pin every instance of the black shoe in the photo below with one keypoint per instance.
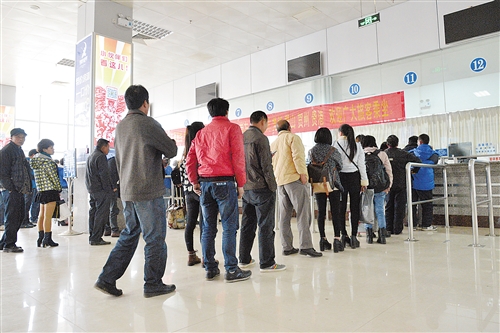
x,y
40,238
107,288
212,274
26,226
345,240
388,233
289,252
107,233
337,246
159,290
381,236
310,253
354,242
237,275
324,244
99,242
13,249
47,240
369,235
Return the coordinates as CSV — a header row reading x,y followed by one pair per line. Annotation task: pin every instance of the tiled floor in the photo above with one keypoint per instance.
x,y
436,284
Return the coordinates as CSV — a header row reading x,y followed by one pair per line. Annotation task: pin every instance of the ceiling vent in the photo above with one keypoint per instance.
x,y
67,62
146,31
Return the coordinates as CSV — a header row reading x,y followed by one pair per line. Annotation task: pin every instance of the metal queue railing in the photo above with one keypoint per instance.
x,y
409,193
475,203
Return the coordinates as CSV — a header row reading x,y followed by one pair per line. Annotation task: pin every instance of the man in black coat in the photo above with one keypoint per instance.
x,y
395,207
15,179
100,188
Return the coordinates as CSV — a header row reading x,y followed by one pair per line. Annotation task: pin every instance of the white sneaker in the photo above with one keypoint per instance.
x,y
273,268
251,263
2,227
430,228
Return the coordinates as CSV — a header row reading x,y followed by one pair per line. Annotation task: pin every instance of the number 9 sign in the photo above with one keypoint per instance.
x,y
309,98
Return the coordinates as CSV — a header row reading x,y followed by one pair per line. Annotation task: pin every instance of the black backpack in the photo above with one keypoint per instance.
x,y
176,176
377,176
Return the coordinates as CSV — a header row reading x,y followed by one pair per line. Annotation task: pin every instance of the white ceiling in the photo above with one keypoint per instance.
x,y
205,34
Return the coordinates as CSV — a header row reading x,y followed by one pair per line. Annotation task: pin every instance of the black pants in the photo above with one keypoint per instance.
x,y
258,210
352,187
395,210
98,214
427,208
193,209
321,200
14,214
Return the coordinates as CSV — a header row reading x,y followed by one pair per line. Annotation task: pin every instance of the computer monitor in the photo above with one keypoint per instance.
x,y
460,149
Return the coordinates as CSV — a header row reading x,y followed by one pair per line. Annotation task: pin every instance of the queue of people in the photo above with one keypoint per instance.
x,y
220,165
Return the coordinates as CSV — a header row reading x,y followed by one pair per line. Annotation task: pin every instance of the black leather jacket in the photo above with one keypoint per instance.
x,y
399,158
258,158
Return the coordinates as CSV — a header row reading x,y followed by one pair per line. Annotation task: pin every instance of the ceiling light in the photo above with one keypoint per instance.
x,y
66,62
150,30
483,93
34,7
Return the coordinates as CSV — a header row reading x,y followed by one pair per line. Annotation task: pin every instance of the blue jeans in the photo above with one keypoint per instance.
x,y
258,209
219,197
379,203
112,224
148,217
14,214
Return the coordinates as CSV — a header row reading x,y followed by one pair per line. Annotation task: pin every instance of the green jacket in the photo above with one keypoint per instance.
x,y
46,176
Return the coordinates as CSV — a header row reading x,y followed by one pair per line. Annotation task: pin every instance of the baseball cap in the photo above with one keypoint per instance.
x,y
17,131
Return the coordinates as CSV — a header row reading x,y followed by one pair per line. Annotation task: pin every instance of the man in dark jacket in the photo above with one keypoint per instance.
x,y
15,179
395,207
259,197
140,143
412,143
101,189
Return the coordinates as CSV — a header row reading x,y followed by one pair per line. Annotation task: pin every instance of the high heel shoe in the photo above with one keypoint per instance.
x,y
47,240
345,240
40,238
324,244
337,246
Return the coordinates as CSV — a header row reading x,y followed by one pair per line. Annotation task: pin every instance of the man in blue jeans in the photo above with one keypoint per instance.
x,y
215,160
140,143
259,198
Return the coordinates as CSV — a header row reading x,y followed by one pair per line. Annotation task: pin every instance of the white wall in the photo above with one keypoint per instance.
x,y
408,29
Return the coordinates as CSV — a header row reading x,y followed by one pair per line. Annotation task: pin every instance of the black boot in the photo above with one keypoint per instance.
x,y
40,238
387,233
47,240
345,240
324,244
381,236
337,246
369,235
354,242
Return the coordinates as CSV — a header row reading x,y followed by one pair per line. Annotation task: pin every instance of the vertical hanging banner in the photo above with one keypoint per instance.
x,y
113,68
83,90
7,114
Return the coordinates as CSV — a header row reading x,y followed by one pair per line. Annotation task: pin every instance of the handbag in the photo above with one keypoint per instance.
x,y
367,207
64,212
176,216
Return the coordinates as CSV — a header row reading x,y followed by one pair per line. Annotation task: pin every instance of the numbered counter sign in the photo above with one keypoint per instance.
x,y
238,112
186,122
478,65
270,106
309,98
354,89
410,78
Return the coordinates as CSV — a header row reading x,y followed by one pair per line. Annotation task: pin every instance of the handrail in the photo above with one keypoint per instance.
x,y
410,202
475,203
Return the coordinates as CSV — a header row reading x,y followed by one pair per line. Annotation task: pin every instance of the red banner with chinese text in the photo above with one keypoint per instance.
x,y
366,111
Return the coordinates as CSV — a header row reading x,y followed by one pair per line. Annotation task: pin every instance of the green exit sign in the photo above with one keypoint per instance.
x,y
375,18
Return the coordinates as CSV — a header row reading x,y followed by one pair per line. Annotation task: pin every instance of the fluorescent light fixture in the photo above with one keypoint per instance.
x,y
150,30
483,93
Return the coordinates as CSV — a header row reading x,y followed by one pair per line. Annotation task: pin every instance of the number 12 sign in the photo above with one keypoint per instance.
x,y
478,65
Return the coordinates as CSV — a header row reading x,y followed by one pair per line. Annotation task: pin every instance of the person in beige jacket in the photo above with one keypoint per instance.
x,y
289,164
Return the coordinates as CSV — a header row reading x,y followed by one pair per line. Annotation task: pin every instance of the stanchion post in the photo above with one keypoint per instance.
x,y
445,194
475,231
409,203
490,202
